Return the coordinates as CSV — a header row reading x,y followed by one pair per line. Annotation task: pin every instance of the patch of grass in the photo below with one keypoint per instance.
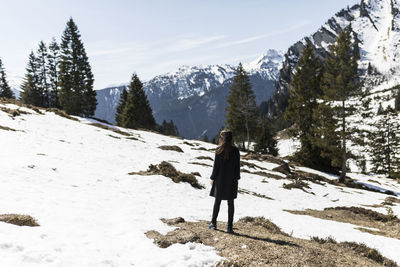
x,y
267,224
105,127
390,201
172,148
168,170
18,219
7,128
248,192
187,143
258,242
13,112
204,157
368,252
370,214
199,148
200,164
62,113
299,184
283,168
116,137
319,240
196,174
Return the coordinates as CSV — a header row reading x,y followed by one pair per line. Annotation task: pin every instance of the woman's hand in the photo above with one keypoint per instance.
x,y
211,182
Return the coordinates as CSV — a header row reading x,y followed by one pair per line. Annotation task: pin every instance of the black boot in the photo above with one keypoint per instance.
x,y
212,226
229,230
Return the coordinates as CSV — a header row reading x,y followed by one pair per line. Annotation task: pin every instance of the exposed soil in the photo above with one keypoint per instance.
x,y
259,242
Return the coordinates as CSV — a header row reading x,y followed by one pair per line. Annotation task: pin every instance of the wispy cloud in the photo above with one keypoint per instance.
x,y
264,36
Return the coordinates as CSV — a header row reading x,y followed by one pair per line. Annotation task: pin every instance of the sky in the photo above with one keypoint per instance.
x,y
153,37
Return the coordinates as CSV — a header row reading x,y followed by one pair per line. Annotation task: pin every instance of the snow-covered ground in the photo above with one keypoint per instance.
x,y
73,178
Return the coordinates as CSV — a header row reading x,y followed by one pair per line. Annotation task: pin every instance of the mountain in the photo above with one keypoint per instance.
x,y
194,97
376,24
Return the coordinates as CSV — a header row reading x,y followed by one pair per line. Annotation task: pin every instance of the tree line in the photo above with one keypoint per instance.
x,y
326,100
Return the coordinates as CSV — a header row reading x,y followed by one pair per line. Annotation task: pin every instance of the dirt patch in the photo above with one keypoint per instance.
x,y
105,127
248,192
259,242
116,137
205,158
5,128
391,201
263,157
299,184
199,148
387,225
18,219
283,168
168,170
200,164
189,144
173,148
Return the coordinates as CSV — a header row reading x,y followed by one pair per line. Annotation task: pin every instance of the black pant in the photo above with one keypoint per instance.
x,y
231,211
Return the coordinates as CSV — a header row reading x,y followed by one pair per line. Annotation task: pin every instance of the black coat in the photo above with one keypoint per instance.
x,y
226,174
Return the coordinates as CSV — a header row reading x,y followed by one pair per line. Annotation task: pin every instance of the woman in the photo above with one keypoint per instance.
x,y
224,177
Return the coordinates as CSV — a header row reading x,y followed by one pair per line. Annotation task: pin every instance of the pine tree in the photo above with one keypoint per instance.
x,y
397,99
121,105
265,142
31,93
304,94
52,71
241,113
168,128
76,94
5,90
385,144
137,112
340,82
41,64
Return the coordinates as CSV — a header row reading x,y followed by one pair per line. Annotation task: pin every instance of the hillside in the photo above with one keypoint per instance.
x,y
87,185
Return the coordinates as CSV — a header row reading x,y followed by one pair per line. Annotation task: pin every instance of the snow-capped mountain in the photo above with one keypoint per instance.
x,y
194,97
376,24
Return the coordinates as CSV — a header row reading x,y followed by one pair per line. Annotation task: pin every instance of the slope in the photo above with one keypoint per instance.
x,y
72,175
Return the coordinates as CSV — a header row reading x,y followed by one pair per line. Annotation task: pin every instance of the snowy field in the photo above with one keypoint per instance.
x,y
73,178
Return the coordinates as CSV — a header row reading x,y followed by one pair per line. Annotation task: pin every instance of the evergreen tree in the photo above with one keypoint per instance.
x,y
168,128
121,105
41,64
265,141
31,93
385,144
52,71
304,93
340,82
5,90
241,113
76,94
397,99
137,112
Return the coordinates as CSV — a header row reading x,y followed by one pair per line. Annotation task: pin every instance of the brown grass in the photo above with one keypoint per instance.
x,y
172,148
168,170
62,113
18,219
387,225
105,127
204,157
259,242
200,164
7,128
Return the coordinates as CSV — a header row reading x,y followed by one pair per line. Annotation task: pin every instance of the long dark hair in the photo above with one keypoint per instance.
x,y
225,143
